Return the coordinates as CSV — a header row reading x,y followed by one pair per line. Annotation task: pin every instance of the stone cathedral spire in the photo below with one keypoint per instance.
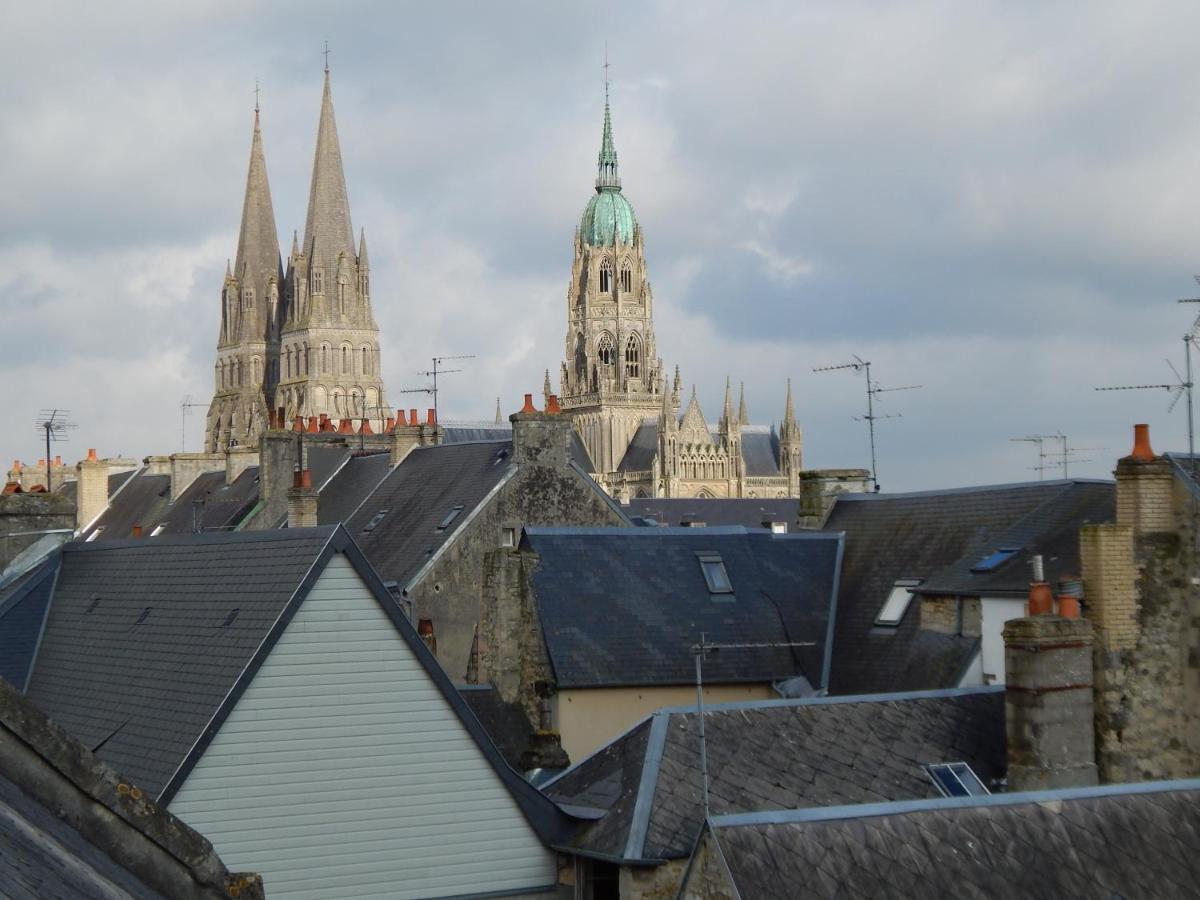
x,y
611,375
329,341
249,317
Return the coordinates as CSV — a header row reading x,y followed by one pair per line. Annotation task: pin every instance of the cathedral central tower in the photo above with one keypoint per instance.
x,y
611,375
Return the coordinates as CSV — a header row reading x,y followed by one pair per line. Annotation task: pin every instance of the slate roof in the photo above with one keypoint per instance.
x,y
921,535
150,643
1127,841
750,513
470,432
208,504
639,455
760,451
774,755
416,497
350,485
623,606
140,501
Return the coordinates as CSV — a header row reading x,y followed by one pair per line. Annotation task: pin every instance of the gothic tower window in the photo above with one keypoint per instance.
x,y
345,360
318,281
633,357
248,298
324,359
606,272
366,361
626,276
306,359
364,285
605,351
288,354
256,370
342,294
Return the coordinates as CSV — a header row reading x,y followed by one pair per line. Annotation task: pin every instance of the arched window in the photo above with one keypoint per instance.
x,y
626,276
606,275
342,294
325,359
289,362
366,361
345,360
256,370
606,351
237,368
633,357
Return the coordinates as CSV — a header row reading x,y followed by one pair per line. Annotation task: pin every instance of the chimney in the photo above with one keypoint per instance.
x,y
187,467
302,501
1144,488
1048,702
298,426
92,493
313,425
277,461
365,427
541,438
136,531
425,630
344,427
431,417
237,461
431,432
404,438
326,423
552,407
412,417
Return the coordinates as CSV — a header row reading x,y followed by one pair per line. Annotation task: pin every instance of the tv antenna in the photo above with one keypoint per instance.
x,y
873,390
1181,387
700,652
55,423
184,405
1066,452
1039,440
434,373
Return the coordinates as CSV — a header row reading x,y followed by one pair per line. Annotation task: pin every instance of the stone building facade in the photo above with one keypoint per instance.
x,y
304,343
615,388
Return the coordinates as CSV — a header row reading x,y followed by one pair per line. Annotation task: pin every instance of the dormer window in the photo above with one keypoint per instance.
x,y
714,572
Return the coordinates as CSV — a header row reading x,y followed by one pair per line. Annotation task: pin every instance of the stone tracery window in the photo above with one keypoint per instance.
x,y
626,276
318,281
606,350
606,272
633,357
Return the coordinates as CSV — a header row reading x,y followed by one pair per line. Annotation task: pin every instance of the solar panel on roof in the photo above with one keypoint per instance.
x,y
993,561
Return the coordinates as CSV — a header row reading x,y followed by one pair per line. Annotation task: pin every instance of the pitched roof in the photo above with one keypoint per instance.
x,y
208,504
775,754
639,455
140,500
919,535
760,451
399,526
1134,840
350,485
624,606
750,513
150,643
23,606
70,826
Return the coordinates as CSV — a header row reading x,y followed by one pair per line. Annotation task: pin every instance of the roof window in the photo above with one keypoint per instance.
x,y
95,534
233,614
450,517
896,604
715,575
956,780
158,529
375,520
993,561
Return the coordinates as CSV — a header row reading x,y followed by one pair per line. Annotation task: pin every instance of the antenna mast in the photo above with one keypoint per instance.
x,y
434,373
873,389
55,423
184,405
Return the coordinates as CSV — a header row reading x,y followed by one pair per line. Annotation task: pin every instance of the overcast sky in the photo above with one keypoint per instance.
x,y
996,201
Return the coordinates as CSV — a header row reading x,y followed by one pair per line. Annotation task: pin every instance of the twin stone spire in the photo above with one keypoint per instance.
x,y
304,342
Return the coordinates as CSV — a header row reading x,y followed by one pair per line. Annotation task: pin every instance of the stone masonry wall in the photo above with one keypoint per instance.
x,y
24,513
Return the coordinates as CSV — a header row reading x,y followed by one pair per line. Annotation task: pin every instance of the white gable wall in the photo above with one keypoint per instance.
x,y
343,772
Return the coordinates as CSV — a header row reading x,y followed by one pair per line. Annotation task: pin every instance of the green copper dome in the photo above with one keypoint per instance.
x,y
608,216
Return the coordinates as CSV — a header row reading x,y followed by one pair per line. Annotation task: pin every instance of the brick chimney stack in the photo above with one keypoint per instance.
x,y
93,489
541,438
1144,487
1048,698
302,501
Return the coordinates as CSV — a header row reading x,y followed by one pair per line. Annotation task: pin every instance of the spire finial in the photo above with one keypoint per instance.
x,y
256,91
606,176
327,57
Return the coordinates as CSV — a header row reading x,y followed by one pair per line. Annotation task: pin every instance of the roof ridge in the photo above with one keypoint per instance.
x,y
786,702
202,538
970,489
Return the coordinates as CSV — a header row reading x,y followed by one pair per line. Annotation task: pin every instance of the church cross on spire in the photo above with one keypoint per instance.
x,y
606,176
256,90
327,57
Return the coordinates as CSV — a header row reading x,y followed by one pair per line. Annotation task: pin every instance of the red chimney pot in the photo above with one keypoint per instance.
x,y
137,531
431,417
1141,444
552,406
313,425
412,417
1068,607
365,428
302,478
528,407
1041,599
391,423
91,457
344,427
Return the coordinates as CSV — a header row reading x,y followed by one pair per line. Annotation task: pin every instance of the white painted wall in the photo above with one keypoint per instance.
x,y
996,611
343,772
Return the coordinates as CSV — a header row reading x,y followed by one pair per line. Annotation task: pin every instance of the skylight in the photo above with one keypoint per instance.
x,y
896,604
450,517
956,780
715,575
993,561
375,520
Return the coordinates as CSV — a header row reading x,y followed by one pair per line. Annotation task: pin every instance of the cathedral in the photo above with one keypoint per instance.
x,y
615,388
302,342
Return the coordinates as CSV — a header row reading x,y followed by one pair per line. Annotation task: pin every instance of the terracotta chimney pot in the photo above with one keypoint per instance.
x,y
1041,599
298,425
327,423
137,531
313,425
58,462
431,417
302,478
91,457
412,417
344,427
552,406
528,407
365,428
1068,607
391,423
1141,444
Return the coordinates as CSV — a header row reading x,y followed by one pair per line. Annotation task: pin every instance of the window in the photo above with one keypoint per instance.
x,y
450,517
364,285
993,561
342,295
345,360
375,520
779,528
633,357
626,277
897,602
318,281
715,575
248,298
366,361
606,273
325,358
606,350
508,537
157,530
956,780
